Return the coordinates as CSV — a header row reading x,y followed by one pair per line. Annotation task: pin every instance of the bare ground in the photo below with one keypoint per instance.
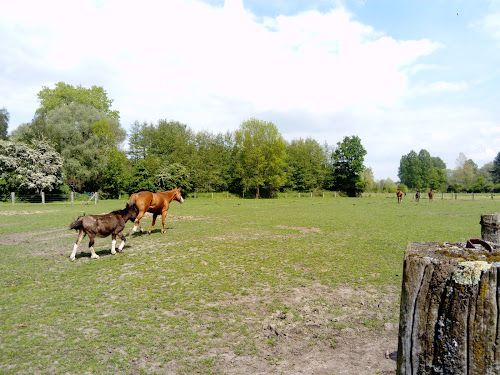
x,y
326,330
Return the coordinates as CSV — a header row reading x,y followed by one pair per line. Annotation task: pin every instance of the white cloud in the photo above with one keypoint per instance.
x,y
214,67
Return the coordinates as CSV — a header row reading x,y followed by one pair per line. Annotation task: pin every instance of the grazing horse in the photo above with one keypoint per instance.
x,y
156,203
399,194
417,196
102,226
431,195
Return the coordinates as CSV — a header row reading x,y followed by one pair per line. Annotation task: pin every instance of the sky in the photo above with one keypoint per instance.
x,y
402,75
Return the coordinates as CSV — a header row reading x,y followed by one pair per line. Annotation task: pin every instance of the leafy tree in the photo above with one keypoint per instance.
x,y
173,176
4,122
210,167
82,135
419,171
495,169
260,155
116,174
409,170
306,164
465,171
65,94
347,166
367,176
144,175
32,168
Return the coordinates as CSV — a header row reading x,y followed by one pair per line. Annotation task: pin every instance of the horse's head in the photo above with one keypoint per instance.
x,y
131,212
178,195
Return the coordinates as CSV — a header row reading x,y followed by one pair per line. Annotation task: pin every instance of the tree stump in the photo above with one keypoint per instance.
x,y
450,304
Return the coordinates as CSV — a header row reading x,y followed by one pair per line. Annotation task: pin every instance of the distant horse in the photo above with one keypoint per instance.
x,y
431,195
399,194
102,226
417,196
156,203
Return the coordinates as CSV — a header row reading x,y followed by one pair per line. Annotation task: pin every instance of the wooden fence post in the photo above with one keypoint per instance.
x,y
490,227
449,309
43,197
13,197
96,195
72,195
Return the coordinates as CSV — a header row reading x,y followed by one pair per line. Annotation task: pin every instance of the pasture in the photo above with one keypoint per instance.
x,y
234,286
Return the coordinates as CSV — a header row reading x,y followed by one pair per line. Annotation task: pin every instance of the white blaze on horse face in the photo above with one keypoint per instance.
x,y
113,244
182,200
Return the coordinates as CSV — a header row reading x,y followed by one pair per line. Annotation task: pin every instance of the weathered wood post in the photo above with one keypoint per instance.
x,y
450,309
13,197
43,197
490,227
72,195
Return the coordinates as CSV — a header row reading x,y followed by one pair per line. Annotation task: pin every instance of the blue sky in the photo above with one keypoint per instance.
x,y
401,75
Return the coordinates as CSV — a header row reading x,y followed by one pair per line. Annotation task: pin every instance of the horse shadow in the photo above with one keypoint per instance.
x,y
145,233
103,252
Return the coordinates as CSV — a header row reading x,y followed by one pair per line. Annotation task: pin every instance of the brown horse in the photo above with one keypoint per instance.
x,y
399,194
156,203
431,195
417,196
102,226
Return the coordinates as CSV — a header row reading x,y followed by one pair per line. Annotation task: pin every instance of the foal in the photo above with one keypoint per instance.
x,y
102,226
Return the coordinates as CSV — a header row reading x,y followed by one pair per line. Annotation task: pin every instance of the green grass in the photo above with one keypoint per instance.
x,y
176,302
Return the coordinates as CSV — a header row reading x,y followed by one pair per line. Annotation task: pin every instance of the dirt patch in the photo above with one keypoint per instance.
x,y
320,330
11,213
301,229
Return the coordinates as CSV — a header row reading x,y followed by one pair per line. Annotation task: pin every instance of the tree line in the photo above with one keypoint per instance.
x,y
75,142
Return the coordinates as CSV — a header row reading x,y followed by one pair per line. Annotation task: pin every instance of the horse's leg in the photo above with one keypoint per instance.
x,y
152,223
113,244
93,255
120,248
81,234
137,221
163,216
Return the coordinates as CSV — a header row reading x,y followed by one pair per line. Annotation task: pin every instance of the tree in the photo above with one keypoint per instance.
x,y
65,94
4,122
347,166
260,155
33,168
409,170
495,169
421,171
306,164
210,167
465,171
82,135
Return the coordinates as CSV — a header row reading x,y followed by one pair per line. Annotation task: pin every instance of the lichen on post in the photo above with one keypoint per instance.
x,y
449,321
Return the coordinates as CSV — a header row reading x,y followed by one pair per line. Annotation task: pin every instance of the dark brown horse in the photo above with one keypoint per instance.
x,y
431,195
399,194
417,196
156,203
102,226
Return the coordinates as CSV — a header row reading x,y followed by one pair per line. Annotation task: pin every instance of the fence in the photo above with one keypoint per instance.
x,y
43,198
86,198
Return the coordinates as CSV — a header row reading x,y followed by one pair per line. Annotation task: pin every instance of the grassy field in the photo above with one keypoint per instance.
x,y
234,286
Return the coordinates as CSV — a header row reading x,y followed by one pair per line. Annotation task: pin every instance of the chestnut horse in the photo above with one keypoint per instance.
x,y
156,203
102,226
399,194
431,195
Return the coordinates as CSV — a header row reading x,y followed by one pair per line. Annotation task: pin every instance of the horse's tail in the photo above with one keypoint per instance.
x,y
78,223
131,201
